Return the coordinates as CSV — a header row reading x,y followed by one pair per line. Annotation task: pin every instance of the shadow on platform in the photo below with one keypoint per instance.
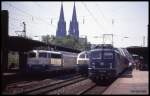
x,y
126,76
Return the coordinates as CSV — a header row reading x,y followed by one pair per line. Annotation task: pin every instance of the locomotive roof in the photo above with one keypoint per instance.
x,y
83,52
47,51
105,49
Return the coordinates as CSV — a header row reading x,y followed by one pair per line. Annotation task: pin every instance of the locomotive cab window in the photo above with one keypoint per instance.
x,y
32,55
82,56
43,54
96,55
49,55
108,55
87,55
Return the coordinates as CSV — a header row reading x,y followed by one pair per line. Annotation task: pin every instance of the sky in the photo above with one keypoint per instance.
x,y
127,21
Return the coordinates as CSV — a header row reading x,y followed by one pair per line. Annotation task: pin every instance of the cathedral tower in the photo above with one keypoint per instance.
x,y
74,28
61,29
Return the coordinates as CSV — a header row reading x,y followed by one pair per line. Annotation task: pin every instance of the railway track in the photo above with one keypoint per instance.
x,y
98,88
94,90
85,87
49,79
70,89
76,85
27,87
55,86
86,90
23,77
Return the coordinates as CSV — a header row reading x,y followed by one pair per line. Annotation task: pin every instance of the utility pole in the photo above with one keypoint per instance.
x,y
24,29
85,42
103,38
112,40
112,32
143,41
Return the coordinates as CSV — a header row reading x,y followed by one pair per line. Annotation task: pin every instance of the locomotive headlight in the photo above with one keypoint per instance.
x,y
29,65
102,63
93,63
110,64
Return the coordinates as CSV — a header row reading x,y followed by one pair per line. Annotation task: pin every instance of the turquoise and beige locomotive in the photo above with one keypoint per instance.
x,y
44,60
82,62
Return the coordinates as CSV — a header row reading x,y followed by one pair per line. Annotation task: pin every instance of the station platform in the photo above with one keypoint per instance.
x,y
136,84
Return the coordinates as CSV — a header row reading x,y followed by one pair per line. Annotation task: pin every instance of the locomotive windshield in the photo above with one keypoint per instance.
x,y
96,55
32,55
87,55
108,55
82,56
102,54
43,54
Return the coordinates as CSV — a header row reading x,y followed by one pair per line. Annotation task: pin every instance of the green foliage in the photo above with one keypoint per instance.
x,y
13,57
66,41
46,39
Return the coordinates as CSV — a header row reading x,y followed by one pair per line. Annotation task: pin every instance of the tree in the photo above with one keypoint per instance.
x,y
47,39
66,41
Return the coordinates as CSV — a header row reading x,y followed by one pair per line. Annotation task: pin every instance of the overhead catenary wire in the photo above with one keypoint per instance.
x,y
104,20
93,17
24,12
37,4
17,21
51,19
101,13
99,7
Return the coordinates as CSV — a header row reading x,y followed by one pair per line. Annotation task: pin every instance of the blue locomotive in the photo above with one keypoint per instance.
x,y
108,62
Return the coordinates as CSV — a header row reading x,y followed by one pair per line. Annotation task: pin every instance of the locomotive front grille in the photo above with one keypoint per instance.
x,y
82,62
102,65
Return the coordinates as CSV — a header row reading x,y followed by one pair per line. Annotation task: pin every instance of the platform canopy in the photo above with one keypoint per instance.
x,y
138,50
141,51
16,43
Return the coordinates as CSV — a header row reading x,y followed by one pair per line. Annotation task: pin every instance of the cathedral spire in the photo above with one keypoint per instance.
x,y
73,28
74,17
61,29
61,13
